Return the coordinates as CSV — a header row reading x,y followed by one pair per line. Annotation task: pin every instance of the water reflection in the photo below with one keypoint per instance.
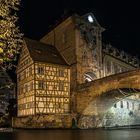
x,y
47,135
132,134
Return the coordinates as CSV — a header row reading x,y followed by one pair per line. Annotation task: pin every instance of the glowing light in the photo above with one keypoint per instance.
x,y
90,19
88,78
1,50
10,36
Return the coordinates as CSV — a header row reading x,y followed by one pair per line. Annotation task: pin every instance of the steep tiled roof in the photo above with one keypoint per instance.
x,y
43,52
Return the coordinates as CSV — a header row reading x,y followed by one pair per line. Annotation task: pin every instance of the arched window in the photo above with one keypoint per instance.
x,y
127,105
89,76
121,103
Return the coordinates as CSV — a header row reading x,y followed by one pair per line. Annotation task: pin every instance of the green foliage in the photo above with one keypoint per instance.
x,y
10,36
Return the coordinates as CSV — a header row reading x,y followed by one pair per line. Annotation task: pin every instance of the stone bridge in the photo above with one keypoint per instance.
x,y
97,97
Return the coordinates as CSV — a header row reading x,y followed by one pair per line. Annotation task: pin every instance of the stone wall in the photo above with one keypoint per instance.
x,y
123,116
43,121
124,113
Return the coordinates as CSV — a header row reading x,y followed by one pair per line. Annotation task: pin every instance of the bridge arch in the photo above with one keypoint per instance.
x,y
95,113
94,98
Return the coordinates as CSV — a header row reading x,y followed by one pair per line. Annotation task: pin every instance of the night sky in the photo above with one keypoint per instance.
x,y
120,18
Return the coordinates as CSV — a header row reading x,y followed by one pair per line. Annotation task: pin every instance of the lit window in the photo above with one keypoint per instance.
x,y
40,70
61,86
40,85
61,73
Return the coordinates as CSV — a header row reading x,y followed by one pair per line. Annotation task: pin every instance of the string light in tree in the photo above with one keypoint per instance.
x,y
10,36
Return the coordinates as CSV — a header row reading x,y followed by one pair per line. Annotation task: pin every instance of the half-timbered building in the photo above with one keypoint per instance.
x,y
43,79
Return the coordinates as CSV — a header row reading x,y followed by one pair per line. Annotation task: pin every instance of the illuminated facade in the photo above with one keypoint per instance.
x,y
79,41
48,75
116,61
43,81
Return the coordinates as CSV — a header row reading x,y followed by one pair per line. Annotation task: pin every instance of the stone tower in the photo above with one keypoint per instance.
x,y
79,41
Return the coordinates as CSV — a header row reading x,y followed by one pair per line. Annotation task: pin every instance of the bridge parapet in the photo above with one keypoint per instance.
x,y
129,79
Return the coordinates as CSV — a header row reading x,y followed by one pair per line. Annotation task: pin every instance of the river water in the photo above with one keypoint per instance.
x,y
129,134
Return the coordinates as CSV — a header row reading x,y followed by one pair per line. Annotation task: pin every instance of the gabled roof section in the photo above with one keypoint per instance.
x,y
44,53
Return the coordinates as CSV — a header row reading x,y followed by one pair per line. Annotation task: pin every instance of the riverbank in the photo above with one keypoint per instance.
x,y
6,129
123,127
10,129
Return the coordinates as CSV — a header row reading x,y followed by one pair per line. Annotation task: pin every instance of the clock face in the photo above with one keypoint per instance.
x,y
90,19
